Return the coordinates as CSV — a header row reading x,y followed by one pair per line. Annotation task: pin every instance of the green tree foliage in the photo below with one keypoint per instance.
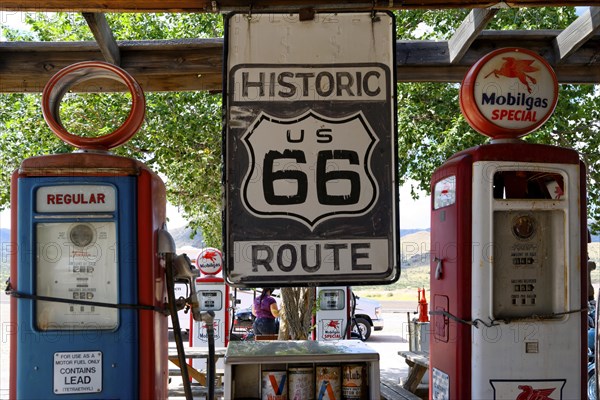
x,y
181,138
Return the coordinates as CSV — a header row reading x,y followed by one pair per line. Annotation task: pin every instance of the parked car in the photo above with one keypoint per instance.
x,y
243,319
367,316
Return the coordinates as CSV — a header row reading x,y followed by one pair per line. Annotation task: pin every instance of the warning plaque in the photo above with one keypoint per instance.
x,y
78,372
310,150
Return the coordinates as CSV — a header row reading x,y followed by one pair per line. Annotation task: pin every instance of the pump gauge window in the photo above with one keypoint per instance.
x,y
444,193
210,300
77,261
331,299
524,227
82,235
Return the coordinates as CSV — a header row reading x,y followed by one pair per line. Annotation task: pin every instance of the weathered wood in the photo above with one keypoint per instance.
x,y
418,362
467,32
193,373
393,391
262,5
104,37
197,392
576,34
196,64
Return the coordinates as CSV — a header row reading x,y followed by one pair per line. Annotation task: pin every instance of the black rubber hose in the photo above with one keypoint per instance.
x,y
187,388
210,367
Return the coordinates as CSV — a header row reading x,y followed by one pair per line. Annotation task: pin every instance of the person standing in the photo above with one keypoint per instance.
x,y
264,308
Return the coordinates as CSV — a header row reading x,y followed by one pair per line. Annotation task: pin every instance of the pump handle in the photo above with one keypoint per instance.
x,y
439,271
76,73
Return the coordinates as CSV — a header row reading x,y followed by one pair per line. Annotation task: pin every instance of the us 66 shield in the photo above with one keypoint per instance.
x,y
306,169
310,150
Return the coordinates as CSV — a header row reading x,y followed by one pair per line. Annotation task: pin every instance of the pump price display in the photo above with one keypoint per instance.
x,y
78,261
210,300
310,149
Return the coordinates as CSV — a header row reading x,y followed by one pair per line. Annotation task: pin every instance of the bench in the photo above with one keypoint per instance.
x,y
391,390
196,352
197,391
418,361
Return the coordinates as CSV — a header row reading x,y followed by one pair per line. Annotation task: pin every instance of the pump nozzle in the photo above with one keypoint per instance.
x,y
184,271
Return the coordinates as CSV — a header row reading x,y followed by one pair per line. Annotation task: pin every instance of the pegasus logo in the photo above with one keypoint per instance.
x,y
513,68
333,324
529,393
210,255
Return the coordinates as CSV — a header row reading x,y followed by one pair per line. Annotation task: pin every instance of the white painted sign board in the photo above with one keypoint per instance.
x,y
78,372
310,150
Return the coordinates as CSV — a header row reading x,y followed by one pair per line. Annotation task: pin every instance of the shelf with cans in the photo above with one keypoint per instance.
x,y
278,370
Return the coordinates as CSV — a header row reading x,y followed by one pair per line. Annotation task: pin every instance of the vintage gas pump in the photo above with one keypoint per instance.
x,y
213,295
333,313
508,275
87,281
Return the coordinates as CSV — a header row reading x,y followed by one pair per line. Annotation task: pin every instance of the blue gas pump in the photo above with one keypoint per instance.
x,y
88,288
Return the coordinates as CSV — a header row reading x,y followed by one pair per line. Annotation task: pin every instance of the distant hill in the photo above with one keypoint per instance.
x,y
415,248
182,238
404,232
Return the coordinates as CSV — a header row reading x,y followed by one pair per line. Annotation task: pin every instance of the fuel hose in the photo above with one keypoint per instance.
x,y
187,388
208,319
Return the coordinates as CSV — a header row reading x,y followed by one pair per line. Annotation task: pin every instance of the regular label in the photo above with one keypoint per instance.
x,y
76,198
78,372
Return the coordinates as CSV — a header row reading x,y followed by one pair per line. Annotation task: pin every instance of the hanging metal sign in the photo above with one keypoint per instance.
x,y
310,150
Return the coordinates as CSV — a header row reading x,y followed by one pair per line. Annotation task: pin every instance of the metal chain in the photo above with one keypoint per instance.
x,y
21,295
495,322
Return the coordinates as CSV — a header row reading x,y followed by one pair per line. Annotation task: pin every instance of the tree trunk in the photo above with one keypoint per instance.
x,y
297,310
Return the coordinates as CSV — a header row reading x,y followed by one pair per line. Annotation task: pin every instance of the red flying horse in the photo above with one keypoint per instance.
x,y
529,393
513,68
210,255
333,324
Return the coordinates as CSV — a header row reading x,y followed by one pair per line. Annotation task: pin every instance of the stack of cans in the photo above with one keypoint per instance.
x,y
318,382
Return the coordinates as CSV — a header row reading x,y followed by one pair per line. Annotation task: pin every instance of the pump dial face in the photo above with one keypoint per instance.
x,y
82,235
524,227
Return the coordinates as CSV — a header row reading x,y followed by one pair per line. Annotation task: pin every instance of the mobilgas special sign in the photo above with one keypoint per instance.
x,y
310,150
509,93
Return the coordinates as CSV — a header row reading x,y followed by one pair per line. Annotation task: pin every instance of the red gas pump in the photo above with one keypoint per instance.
x,y
508,280
87,282
213,295
333,317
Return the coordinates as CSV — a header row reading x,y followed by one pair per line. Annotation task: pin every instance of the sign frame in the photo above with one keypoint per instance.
x,y
302,241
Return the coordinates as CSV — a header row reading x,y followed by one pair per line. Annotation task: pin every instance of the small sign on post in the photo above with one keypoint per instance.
x,y
311,192
77,372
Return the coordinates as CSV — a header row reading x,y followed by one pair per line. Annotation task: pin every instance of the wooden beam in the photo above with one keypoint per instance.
x,y
468,30
196,64
576,34
264,5
104,37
